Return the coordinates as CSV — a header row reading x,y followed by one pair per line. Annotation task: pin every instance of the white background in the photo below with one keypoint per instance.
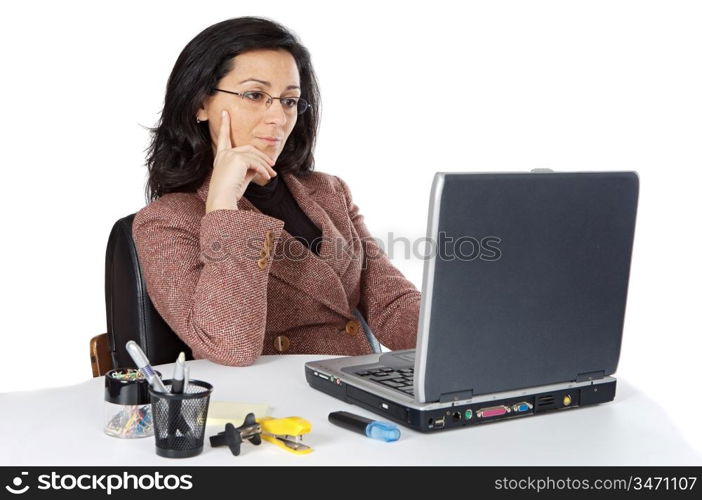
x,y
408,89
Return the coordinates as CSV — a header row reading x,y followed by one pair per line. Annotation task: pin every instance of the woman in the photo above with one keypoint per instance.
x,y
244,249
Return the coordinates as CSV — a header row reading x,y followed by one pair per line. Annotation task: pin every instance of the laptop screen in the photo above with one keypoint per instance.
x,y
528,283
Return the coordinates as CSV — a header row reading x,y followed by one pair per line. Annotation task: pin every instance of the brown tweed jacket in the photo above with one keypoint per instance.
x,y
234,285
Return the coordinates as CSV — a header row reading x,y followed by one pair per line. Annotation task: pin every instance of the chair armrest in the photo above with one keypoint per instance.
x,y
100,358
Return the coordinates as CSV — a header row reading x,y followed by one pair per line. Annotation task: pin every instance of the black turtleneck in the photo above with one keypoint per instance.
x,y
274,199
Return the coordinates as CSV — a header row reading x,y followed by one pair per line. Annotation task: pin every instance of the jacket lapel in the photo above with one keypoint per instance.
x,y
317,276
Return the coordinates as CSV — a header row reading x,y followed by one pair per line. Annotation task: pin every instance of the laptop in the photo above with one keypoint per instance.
x,y
522,306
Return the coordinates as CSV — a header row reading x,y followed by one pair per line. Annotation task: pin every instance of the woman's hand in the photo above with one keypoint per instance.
x,y
233,169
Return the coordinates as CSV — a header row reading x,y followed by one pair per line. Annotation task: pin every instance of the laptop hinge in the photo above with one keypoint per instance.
x,y
456,396
583,377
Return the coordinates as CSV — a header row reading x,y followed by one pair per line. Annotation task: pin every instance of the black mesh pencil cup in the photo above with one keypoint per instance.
x,y
179,419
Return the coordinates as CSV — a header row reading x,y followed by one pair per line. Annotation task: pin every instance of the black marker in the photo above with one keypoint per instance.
x,y
384,431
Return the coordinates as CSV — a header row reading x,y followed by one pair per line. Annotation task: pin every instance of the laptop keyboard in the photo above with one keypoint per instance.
x,y
401,379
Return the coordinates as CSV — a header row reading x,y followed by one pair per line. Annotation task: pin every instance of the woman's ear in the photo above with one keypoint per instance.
x,y
201,115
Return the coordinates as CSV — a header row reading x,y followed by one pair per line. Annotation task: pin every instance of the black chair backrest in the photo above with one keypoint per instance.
x,y
130,313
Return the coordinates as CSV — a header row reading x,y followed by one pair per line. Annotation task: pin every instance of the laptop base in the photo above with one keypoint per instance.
x,y
464,414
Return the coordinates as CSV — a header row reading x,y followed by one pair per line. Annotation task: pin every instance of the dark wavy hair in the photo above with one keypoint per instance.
x,y
180,156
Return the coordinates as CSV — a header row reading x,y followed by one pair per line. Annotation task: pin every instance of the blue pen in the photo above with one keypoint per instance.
x,y
384,431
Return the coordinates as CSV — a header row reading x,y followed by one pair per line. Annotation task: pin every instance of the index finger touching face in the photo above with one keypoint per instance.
x,y
223,139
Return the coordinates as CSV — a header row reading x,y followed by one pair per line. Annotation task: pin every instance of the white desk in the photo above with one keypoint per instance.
x,y
64,427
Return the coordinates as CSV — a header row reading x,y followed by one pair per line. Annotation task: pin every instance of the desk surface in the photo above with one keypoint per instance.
x,y
64,427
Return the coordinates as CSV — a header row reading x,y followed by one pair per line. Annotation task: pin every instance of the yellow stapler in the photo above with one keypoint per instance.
x,y
286,433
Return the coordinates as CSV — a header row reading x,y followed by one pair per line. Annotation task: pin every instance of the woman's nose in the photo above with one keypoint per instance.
x,y
275,113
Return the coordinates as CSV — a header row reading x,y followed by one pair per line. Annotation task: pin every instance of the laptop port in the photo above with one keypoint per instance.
x,y
492,411
521,407
437,423
456,416
544,401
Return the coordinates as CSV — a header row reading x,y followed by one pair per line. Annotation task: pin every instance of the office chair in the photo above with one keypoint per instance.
x,y
132,316
130,313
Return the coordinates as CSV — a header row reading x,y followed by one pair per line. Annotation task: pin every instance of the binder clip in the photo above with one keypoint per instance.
x,y
234,436
286,433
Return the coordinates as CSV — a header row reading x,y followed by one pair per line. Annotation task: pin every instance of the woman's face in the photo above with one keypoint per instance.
x,y
272,71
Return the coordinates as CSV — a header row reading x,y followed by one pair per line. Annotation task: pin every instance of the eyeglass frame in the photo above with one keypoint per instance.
x,y
270,98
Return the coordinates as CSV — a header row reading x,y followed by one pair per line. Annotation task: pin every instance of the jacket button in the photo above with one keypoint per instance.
x,y
281,343
352,327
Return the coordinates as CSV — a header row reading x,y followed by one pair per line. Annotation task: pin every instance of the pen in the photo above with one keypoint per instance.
x,y
186,378
176,421
177,386
144,366
384,431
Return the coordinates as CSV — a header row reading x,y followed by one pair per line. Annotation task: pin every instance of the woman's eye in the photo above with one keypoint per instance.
x,y
253,96
289,102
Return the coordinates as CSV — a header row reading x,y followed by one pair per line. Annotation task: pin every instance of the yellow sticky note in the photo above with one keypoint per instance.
x,y
223,412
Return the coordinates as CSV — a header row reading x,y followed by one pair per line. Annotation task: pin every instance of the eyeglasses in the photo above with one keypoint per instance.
x,y
257,99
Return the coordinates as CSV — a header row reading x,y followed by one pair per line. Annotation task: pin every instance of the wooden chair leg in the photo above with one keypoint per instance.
x,y
100,358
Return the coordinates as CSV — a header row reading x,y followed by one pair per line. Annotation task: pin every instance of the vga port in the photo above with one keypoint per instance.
x,y
521,407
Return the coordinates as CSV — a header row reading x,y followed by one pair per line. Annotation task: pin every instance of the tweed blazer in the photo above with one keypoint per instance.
x,y
233,284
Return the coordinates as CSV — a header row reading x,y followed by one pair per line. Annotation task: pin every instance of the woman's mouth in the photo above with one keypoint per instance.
x,y
269,140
